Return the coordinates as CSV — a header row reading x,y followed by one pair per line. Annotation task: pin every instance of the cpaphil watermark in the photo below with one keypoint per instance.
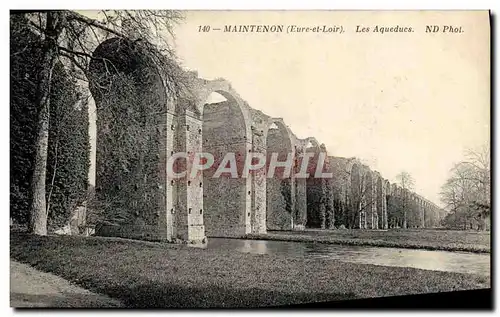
x,y
239,165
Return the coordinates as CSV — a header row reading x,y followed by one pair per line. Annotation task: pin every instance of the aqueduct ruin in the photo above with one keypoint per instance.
x,y
190,209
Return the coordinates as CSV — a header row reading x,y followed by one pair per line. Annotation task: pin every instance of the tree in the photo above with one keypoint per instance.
x,y
467,192
407,184
69,37
68,153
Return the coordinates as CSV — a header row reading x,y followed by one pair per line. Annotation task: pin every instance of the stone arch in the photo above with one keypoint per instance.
x,y
314,186
313,142
386,192
284,130
117,56
130,99
280,189
226,128
203,88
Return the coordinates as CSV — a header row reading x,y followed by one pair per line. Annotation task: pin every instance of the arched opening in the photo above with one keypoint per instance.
x,y
279,187
314,188
130,98
225,198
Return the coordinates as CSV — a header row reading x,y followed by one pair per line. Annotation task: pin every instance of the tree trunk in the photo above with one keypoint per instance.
x,y
38,218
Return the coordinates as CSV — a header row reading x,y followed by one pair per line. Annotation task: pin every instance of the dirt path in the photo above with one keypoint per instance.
x,y
32,288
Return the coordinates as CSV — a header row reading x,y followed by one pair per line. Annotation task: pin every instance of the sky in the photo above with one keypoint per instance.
x,y
397,101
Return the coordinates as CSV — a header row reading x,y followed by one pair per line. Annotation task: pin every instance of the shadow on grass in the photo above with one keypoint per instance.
x,y
172,296
61,300
167,276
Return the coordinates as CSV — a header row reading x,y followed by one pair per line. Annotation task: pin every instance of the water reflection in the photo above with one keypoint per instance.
x,y
460,262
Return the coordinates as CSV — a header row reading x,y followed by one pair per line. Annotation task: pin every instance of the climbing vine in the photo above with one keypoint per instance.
x,y
68,158
128,188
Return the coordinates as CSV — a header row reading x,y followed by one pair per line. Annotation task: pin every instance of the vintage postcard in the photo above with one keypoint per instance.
x,y
250,159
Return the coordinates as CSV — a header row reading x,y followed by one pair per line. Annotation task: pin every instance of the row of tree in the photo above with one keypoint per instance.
x,y
347,200
467,192
353,205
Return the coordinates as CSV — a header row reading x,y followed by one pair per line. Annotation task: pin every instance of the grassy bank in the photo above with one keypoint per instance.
x,y
445,240
160,275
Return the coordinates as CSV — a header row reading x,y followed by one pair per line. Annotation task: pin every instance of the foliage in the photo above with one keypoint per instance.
x,y
328,201
407,184
69,148
467,193
23,65
128,149
395,212
405,180
286,192
69,38
68,159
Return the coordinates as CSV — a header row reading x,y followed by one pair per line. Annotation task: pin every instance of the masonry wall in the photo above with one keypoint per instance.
x,y
129,184
315,191
340,186
189,218
225,202
355,219
278,190
258,180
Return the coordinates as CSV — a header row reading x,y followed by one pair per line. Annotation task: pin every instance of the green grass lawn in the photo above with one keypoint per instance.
x,y
447,240
163,275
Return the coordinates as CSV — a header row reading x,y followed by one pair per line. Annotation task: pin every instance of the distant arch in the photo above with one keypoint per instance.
x,y
313,142
204,88
280,189
226,130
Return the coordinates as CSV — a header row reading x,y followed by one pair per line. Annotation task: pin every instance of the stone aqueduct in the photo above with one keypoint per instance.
x,y
190,210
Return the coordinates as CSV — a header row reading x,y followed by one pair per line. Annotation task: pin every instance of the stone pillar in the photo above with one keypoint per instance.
x,y
293,198
300,218
374,209
354,195
258,187
169,200
330,204
385,193
369,204
324,187
189,213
